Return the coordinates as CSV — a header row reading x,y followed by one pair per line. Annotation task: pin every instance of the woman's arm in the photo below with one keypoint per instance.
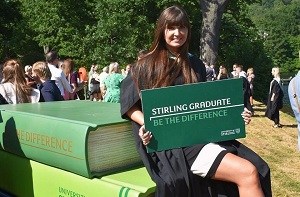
x,y
137,116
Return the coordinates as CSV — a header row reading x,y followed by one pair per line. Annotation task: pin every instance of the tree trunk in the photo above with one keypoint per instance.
x,y
212,11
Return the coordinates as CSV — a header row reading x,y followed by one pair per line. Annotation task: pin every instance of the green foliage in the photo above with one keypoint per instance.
x,y
238,44
15,35
122,29
127,27
98,32
58,25
278,23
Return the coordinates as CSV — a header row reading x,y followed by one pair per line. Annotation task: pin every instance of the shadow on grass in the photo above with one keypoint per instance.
x,y
259,105
288,110
259,109
290,126
258,115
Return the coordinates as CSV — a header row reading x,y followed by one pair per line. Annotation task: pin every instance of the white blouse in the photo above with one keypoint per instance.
x,y
7,90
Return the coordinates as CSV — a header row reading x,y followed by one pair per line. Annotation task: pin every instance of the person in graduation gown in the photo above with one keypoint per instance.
x,y
275,98
214,169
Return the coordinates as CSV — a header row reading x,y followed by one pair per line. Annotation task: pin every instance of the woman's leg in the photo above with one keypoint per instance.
x,y
99,96
241,172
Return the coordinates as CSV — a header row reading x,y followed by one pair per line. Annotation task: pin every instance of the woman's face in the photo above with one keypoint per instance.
x,y
67,66
175,37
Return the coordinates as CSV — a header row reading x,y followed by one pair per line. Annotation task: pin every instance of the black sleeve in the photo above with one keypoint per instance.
x,y
278,99
129,95
247,94
199,67
2,100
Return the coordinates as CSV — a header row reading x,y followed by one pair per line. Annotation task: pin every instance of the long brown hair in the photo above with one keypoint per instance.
x,y
156,69
13,72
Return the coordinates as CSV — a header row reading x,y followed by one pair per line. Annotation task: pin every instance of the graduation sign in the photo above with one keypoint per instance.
x,y
184,115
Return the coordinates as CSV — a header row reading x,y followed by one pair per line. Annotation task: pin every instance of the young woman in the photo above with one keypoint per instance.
x,y
250,77
203,169
275,98
72,76
94,84
14,87
112,83
222,73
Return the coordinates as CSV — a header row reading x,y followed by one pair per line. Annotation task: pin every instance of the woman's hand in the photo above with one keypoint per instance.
x,y
246,115
145,135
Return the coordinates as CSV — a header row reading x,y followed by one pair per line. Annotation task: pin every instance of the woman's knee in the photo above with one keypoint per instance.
x,y
248,174
236,169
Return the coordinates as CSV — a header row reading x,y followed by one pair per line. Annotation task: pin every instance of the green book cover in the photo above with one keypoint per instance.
x,y
26,178
84,137
137,179
185,115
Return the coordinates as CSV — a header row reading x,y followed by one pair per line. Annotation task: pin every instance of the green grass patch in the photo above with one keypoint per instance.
x,y
278,146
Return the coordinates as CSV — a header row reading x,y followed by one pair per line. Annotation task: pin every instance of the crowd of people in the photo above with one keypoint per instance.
x,y
102,86
57,80
187,171
275,94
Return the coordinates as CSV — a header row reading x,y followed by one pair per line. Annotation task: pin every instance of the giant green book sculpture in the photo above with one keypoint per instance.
x,y
26,178
184,115
87,138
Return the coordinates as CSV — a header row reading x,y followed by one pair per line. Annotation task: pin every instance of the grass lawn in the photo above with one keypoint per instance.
x,y
278,146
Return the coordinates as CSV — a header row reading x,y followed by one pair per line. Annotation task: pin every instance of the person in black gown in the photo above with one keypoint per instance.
x,y
214,169
275,98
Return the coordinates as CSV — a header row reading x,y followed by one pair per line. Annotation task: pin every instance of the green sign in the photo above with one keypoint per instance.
x,y
184,115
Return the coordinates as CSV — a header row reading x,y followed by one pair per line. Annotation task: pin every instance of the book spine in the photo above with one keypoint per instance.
x,y
50,141
24,177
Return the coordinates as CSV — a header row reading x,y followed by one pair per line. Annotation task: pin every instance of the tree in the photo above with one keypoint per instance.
x,y
229,36
239,44
212,12
278,24
15,35
127,27
59,25
99,31
212,15
122,29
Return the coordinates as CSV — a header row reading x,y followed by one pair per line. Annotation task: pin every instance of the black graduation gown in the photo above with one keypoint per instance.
x,y
275,105
170,169
247,94
2,100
